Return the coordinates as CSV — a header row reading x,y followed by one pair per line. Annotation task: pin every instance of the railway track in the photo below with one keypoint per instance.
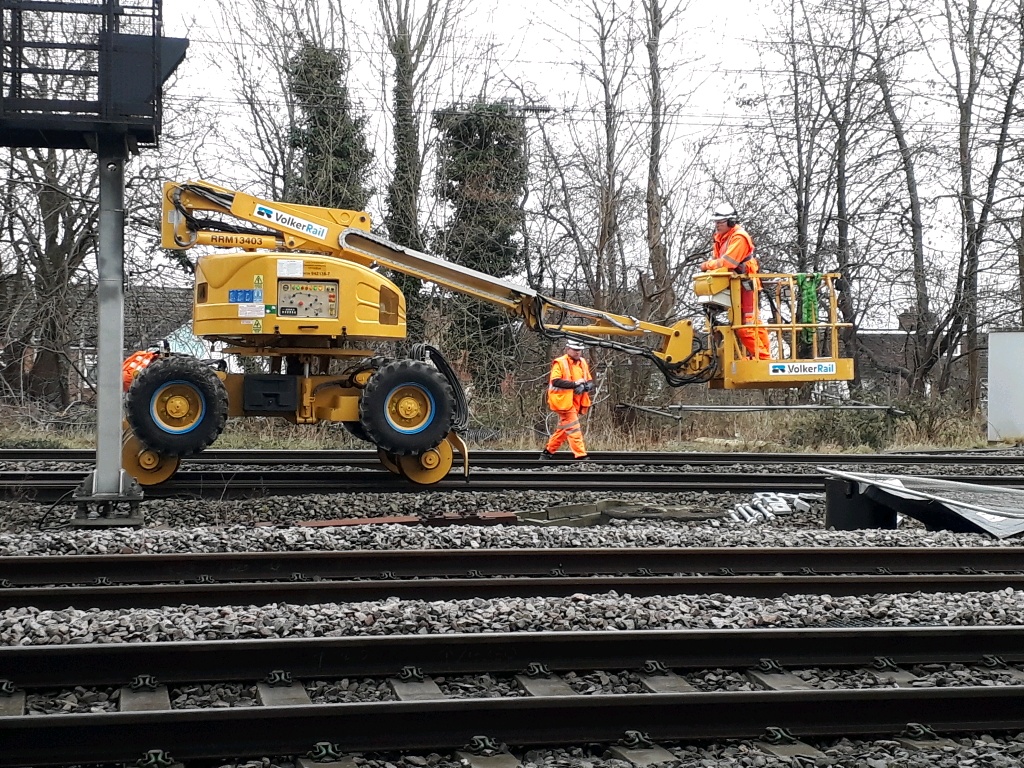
x,y
54,486
549,712
153,581
257,473
527,459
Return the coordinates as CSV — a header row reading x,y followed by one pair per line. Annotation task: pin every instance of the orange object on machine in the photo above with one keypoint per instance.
x,y
135,363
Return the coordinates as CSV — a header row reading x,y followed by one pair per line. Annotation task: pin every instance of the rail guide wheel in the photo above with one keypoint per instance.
x,y
428,467
389,460
147,466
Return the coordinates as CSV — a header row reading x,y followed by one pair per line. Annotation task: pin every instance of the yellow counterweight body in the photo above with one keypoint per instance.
x,y
251,298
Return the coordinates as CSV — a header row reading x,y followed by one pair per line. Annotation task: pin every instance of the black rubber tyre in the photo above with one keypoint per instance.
x,y
355,428
407,407
177,406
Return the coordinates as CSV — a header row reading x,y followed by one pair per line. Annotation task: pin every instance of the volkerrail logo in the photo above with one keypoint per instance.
x,y
801,369
291,222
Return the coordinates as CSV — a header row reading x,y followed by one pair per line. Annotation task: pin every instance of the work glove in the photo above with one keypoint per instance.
x,y
589,386
580,388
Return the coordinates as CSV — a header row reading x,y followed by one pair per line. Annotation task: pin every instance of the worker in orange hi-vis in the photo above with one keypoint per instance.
x,y
733,250
569,388
133,366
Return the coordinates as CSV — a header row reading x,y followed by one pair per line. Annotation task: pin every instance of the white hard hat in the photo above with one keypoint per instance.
x,y
573,344
724,212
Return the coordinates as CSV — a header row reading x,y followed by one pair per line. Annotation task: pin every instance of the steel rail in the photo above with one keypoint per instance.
x,y
447,724
305,593
38,570
364,458
55,486
112,664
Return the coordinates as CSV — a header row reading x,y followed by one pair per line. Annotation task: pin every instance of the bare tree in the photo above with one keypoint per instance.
x,y
416,36
262,38
986,65
659,299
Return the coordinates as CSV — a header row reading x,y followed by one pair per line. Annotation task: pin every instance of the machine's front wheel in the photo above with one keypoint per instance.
x,y
407,407
428,467
355,428
177,406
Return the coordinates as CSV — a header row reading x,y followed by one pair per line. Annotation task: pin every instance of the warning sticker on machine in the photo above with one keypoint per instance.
x,y
289,267
251,310
802,369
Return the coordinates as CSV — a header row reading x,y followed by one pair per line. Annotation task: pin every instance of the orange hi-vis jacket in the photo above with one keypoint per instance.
x,y
133,366
732,249
565,367
734,252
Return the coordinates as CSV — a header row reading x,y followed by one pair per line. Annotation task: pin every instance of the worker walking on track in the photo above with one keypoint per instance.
x,y
733,250
569,388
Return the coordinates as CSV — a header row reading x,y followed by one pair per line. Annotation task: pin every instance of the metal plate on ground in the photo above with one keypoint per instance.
x,y
293,695
155,700
415,690
943,504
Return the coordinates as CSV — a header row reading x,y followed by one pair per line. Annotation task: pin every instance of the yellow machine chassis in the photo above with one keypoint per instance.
x,y
302,288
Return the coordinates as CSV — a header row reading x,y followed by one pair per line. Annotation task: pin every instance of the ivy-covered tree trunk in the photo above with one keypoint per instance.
x,y
334,158
402,218
481,175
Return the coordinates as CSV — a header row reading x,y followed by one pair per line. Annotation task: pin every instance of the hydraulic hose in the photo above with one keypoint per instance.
x,y
460,420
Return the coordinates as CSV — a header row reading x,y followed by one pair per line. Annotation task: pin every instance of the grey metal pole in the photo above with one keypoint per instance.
x,y
110,297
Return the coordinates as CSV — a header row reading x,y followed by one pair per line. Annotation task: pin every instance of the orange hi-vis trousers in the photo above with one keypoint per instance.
x,y
754,340
568,429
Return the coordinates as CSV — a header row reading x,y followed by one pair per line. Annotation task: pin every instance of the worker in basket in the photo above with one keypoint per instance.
x,y
733,251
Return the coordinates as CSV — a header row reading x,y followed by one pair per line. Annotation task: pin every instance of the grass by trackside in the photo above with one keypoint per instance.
x,y
934,425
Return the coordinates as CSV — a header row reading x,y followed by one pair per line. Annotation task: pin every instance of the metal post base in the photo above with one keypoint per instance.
x,y
108,510
848,509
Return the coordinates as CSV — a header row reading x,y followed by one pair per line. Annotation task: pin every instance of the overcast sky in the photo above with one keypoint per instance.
x,y
529,51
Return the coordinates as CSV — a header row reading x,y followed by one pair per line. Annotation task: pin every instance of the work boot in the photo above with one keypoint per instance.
x,y
546,456
584,457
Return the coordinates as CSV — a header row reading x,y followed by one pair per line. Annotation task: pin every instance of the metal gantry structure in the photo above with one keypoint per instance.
x,y
89,75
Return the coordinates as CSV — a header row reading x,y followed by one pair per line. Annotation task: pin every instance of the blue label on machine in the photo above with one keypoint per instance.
x,y
242,296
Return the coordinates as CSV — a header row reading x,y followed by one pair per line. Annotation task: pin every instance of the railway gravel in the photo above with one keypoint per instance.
x,y
985,751
263,526
268,525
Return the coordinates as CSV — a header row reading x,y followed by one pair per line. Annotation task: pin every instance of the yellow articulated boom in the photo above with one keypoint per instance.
x,y
300,290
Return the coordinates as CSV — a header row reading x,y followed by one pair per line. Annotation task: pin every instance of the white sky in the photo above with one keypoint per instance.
x,y
530,52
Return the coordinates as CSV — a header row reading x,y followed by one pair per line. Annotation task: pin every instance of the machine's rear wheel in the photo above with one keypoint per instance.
x,y
428,467
407,407
177,406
